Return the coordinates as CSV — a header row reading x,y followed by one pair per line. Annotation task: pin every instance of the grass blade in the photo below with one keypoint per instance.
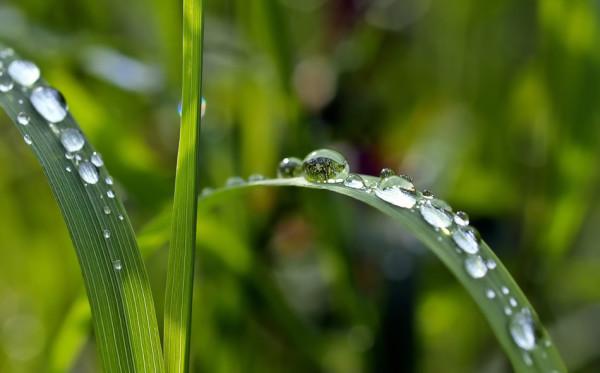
x,y
115,277
180,271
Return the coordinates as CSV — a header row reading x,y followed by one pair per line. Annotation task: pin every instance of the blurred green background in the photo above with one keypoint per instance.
x,y
494,105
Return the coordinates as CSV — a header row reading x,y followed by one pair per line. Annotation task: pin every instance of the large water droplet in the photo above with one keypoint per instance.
x,y
6,83
88,172
23,119
50,103
398,191
72,139
96,159
522,329
475,266
27,140
437,213
467,238
354,181
289,167
117,265
26,73
325,166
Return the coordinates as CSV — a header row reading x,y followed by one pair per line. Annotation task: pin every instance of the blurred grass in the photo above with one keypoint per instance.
x,y
491,104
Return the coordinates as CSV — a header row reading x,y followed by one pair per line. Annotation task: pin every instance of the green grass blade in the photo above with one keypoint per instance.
x,y
543,358
180,271
117,286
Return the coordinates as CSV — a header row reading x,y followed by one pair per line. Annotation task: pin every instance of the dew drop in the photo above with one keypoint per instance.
x,y
202,108
475,266
437,213
117,265
107,210
26,73
491,264
255,177
467,239
68,169
50,103
427,194
397,190
121,217
88,172
355,181
23,119
108,180
106,233
289,167
513,302
6,83
386,172
110,194
235,181
461,218
522,329
206,192
27,140
96,159
505,290
507,311
72,140
325,166
490,294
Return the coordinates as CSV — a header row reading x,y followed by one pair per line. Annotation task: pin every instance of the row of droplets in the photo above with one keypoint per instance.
x,y
328,166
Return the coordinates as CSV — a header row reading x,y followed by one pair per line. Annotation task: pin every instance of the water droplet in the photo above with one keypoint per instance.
x,y
490,294
88,172
107,210
108,180
68,168
23,119
505,290
355,181
110,194
234,181
72,139
202,108
206,192
386,172
491,263
20,101
121,217
437,213
7,52
527,359
27,140
507,311
255,177
522,329
467,238
54,129
475,266
117,265
289,167
325,166
106,233
26,73
96,159
461,218
50,103
398,191
513,302
6,83
427,194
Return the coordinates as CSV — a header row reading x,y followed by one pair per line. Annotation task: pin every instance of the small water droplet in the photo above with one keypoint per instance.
x,y
491,263
325,166
527,359
72,140
507,311
121,217
522,329
235,181
437,213
355,181
7,52
289,167
467,238
398,191
50,103
505,290
110,194
206,192
386,172
117,265
202,108
68,168
88,173
255,177
6,83
547,343
490,294
427,194
23,119
96,159
461,218
54,129
20,101
106,233
108,180
513,302
26,73
27,140
107,210
475,266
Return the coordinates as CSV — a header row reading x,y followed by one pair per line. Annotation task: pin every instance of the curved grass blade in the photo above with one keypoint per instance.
x,y
115,277
508,305
180,270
